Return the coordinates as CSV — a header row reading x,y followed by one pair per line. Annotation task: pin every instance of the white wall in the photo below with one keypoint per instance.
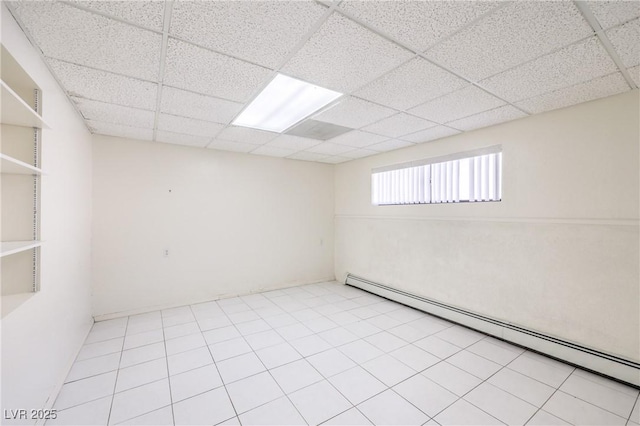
x,y
233,223
41,337
559,254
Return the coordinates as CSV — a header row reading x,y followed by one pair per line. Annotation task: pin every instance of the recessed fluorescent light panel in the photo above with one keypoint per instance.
x,y
283,103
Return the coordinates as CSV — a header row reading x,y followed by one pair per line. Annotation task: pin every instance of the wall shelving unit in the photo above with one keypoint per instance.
x,y
20,174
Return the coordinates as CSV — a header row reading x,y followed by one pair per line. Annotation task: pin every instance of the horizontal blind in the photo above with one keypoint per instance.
x,y
473,179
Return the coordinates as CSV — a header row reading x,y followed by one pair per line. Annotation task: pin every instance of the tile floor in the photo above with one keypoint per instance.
x,y
322,354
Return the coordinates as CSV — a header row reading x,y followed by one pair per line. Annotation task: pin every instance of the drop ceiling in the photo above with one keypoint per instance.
x,y
412,71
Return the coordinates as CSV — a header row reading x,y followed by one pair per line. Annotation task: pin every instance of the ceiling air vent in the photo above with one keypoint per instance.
x,y
317,130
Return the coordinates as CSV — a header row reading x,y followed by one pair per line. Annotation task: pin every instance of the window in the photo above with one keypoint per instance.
x,y
463,177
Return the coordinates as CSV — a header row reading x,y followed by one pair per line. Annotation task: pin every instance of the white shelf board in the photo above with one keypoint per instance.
x,y
10,165
12,301
13,247
15,110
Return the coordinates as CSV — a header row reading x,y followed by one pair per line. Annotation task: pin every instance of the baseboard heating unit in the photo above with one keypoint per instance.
x,y
613,366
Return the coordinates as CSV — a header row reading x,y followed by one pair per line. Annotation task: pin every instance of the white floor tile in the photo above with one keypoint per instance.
x,y
617,386
264,339
161,417
452,378
389,408
597,394
310,345
106,334
240,367
492,352
101,348
141,374
364,312
93,367
295,375
388,370
181,330
319,402
463,413
229,349
474,364
211,323
280,320
438,347
383,322
208,408
278,412
362,329
253,391
331,362
189,360
275,356
405,314
500,404
184,343
425,394
144,322
386,342
526,388
338,336
351,417
542,418
85,390
251,327
142,339
142,354
357,384
415,357
294,331
194,382
408,333
305,314
320,324
360,351
577,411
635,414
344,318
242,317
137,401
221,334
90,413
543,372
460,336
172,320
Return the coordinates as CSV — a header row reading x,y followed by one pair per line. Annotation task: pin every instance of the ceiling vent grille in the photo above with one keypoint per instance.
x,y
317,130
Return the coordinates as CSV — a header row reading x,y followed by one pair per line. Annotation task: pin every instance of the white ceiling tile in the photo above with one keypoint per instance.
x,y
188,126
354,113
148,14
626,41
419,24
261,32
329,148
461,103
334,160
359,153
232,146
343,55
598,88
616,12
192,105
512,35
104,86
246,135
295,143
307,156
571,65
182,139
203,71
390,145
488,118
398,125
635,74
413,83
84,38
273,151
357,139
110,113
111,129
429,134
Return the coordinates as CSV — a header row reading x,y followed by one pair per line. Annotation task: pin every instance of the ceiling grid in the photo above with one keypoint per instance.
x,y
410,71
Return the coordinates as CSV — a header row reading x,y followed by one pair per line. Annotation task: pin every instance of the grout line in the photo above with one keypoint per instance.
x,y
166,358
115,383
168,9
550,396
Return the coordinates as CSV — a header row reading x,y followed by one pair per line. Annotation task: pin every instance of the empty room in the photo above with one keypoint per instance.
x,y
305,212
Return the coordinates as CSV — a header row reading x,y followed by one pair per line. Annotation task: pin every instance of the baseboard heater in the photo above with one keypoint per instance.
x,y
602,363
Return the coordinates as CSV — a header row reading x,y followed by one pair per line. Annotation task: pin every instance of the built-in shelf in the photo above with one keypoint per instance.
x,y
9,165
17,112
11,301
12,247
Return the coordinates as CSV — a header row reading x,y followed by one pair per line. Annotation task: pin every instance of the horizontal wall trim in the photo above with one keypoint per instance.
x,y
607,364
568,221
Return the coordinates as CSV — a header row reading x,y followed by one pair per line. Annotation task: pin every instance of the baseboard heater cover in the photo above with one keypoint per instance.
x,y
613,366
